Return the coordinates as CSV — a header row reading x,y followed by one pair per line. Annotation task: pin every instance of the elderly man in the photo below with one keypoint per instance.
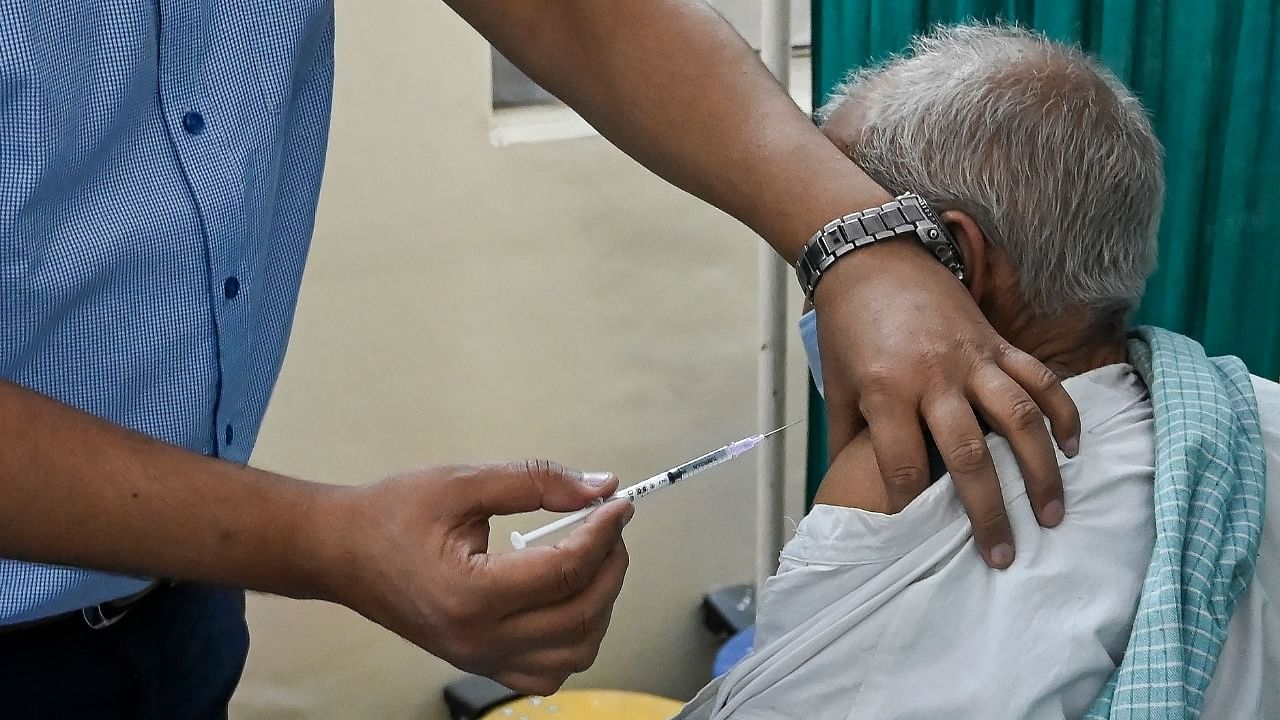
x,y
1046,171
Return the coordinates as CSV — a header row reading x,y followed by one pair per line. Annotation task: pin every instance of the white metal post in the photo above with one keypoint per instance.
x,y
775,51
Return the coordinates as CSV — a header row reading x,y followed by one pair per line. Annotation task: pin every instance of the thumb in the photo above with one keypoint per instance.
x,y
507,488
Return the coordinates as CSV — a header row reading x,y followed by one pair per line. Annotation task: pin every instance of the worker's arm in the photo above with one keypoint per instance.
x,y
670,83
408,552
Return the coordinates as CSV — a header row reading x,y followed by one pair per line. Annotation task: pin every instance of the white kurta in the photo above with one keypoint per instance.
x,y
876,616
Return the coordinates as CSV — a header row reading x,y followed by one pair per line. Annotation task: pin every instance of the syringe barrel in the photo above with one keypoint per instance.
x,y
642,488
676,474
698,464
645,487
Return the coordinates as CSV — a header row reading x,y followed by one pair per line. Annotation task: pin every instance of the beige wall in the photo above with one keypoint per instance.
x,y
467,302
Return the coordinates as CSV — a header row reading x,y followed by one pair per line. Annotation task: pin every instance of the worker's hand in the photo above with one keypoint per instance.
x,y
903,344
418,564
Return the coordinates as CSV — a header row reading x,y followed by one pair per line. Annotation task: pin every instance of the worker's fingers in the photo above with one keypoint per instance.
x,y
844,421
898,443
558,661
579,620
1013,414
1045,388
541,576
553,663
964,450
507,488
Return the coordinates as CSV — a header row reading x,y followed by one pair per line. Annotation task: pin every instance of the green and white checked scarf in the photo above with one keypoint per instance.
x,y
1210,481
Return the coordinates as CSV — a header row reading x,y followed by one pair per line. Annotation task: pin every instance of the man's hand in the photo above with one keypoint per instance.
x,y
409,552
902,341
414,555
671,84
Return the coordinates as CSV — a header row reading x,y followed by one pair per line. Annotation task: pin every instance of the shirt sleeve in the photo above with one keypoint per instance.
x,y
874,615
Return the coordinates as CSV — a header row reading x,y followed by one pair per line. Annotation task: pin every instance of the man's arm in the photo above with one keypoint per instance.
x,y
409,553
670,83
853,480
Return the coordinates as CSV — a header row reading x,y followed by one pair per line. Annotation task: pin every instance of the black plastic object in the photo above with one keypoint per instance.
x,y
473,696
729,610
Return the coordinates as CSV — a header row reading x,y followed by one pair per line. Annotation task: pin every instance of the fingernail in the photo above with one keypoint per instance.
x,y
1052,513
596,479
1002,556
1071,446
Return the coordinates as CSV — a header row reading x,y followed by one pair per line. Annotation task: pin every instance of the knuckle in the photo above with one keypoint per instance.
x,y
466,617
1024,415
537,470
468,610
586,657
601,627
572,580
544,468
470,653
506,679
935,362
547,684
583,628
1040,378
879,380
967,456
458,475
1044,380
990,525
456,610
1006,351
903,479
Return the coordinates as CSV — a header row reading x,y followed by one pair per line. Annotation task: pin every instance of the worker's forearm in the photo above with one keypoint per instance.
x,y
76,490
674,86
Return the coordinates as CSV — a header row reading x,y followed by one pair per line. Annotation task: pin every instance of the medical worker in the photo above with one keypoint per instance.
x,y
160,163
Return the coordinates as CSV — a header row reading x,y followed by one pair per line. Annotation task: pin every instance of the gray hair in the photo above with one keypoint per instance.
x,y
1047,151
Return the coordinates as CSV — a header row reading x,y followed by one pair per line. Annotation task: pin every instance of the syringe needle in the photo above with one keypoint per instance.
x,y
784,427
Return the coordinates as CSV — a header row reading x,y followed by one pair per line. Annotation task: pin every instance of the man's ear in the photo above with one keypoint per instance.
x,y
974,250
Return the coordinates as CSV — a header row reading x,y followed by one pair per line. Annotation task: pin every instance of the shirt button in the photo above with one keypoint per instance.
x,y
193,123
231,288
230,434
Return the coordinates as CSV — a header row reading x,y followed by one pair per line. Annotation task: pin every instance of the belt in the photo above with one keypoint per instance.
x,y
95,617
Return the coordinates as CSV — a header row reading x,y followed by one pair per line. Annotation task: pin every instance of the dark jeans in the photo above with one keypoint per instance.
x,y
177,655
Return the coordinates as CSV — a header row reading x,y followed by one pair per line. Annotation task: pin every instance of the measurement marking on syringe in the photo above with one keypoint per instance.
x,y
646,487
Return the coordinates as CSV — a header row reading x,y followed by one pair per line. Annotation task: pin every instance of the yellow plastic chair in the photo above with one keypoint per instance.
x,y
588,705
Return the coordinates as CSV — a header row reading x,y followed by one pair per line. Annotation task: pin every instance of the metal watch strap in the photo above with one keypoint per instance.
x,y
905,214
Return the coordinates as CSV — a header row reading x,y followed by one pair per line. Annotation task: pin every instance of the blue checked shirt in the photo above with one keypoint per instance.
x,y
160,163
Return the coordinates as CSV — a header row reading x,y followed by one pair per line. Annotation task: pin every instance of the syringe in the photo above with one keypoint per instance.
x,y
647,487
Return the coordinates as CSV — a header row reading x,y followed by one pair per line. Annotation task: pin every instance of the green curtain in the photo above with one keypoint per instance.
x,y
1209,72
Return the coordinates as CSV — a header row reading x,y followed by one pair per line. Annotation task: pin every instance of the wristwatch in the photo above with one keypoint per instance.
x,y
906,214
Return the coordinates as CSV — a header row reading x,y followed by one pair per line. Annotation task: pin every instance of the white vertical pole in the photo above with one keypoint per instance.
x,y
775,51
